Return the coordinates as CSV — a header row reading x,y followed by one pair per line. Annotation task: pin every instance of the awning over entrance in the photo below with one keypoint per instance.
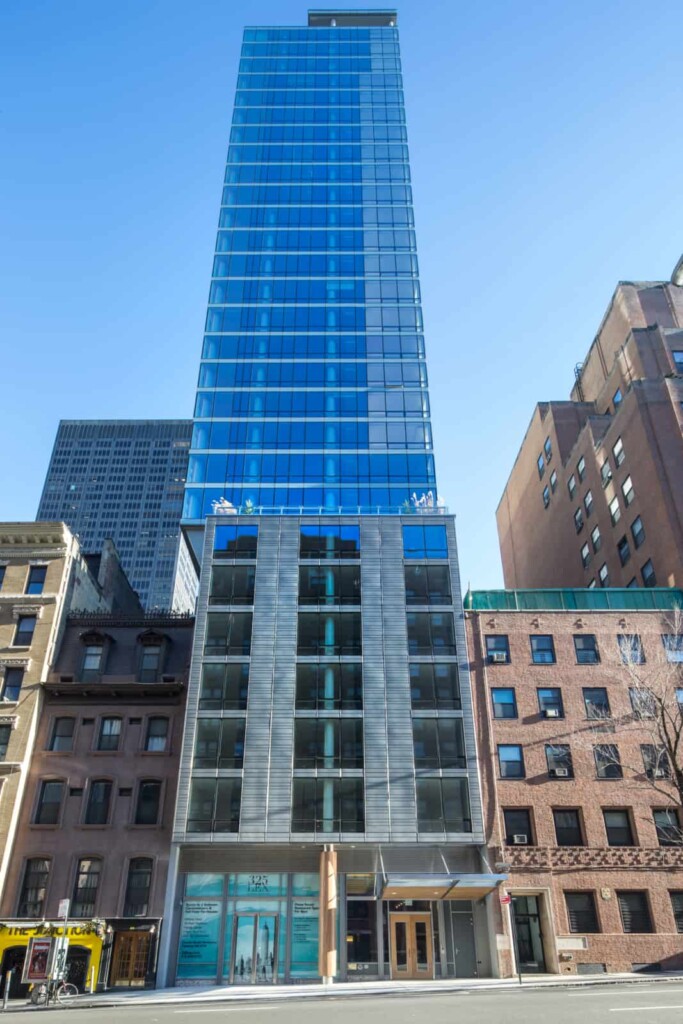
x,y
439,887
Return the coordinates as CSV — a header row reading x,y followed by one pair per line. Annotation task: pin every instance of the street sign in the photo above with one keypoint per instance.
x,y
505,897
63,910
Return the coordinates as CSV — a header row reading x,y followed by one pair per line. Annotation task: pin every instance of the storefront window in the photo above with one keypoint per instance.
x,y
204,885
361,936
199,931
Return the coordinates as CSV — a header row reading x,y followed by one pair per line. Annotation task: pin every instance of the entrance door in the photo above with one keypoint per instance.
x,y
528,934
254,958
130,960
411,946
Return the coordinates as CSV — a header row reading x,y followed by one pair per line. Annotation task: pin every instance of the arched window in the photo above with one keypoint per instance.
x,y
88,873
99,801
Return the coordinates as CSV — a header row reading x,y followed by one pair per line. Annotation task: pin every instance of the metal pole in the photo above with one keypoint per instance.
x,y
8,982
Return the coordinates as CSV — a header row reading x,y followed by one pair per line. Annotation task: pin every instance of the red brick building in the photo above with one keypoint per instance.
x,y
590,837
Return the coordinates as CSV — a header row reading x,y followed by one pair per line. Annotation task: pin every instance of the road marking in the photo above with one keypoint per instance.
x,y
628,992
636,1009
223,1009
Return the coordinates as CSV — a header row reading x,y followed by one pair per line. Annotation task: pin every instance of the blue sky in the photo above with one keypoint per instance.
x,y
546,153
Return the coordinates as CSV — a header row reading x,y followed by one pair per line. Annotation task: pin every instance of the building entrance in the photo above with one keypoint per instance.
x,y
131,959
528,934
411,946
255,949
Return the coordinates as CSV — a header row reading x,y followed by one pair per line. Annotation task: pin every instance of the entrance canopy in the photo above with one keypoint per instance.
x,y
439,887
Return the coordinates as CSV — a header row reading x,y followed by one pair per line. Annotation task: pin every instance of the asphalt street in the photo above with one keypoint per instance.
x,y
616,1004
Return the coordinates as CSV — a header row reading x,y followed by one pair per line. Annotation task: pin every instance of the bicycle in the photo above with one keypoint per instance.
x,y
62,992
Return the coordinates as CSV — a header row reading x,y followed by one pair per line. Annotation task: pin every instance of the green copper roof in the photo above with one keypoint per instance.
x,y
611,599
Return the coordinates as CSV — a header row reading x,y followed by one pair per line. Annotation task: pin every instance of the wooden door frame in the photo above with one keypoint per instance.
x,y
411,918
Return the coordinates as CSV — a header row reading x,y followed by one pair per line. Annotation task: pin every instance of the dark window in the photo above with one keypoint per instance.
x,y
443,805
635,912
678,360
138,885
23,636
571,485
510,761
504,703
329,541
559,760
331,685
232,584
5,734
550,702
568,827
668,826
618,828
585,556
49,803
588,503
421,542
328,805
578,520
586,647
677,907
36,579
673,647
11,687
581,468
655,761
596,702
149,799
34,888
224,687
328,743
92,663
2,574
431,633
428,584
546,497
329,633
542,649
214,805
623,550
648,574
628,491
596,539
329,584
62,737
85,887
434,685
439,743
630,649
232,541
607,762
638,531
581,912
150,663
228,633
605,473
517,823
497,649
157,734
540,465
618,452
109,735
614,511
99,799
603,575
643,702
219,742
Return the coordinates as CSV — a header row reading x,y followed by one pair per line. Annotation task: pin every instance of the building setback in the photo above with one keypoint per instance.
x,y
125,479
579,809
595,497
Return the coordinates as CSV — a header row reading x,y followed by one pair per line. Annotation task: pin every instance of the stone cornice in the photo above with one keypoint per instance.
x,y
7,661
27,609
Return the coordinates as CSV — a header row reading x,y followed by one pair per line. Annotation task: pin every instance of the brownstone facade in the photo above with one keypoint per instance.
x,y
596,879
595,497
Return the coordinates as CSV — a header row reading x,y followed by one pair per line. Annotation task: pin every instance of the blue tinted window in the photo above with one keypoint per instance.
x,y
235,541
423,541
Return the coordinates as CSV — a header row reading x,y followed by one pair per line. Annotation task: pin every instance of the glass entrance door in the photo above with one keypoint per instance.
x,y
528,934
254,958
411,946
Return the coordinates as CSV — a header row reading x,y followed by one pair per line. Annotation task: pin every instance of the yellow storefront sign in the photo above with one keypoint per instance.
x,y
88,935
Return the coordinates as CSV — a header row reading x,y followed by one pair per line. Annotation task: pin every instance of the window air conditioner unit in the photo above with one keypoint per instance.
x,y
551,713
559,773
499,657
520,840
661,773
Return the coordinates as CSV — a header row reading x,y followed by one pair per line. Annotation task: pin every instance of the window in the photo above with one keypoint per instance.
x,y
635,912
232,541
339,685
214,805
614,511
224,687
157,735
328,743
548,449
427,584
26,625
630,649
643,702
571,486
109,734
585,556
586,647
679,699
219,742
628,491
332,633
603,575
36,579
228,633
550,702
517,823
431,633
332,584
618,452
99,798
623,550
5,734
510,761
591,584
149,799
596,539
678,361
568,827
588,503
542,649
607,762
581,913
546,497
62,736
677,907
578,520
540,466
422,542
434,685
328,805
558,758
553,481
85,887
49,804
443,805
329,541
11,687
2,574
605,473
596,702
138,885
497,649
150,663
638,532
655,761
673,646
668,826
438,743
617,399
92,662
581,468
618,828
648,574
34,888
232,584
504,703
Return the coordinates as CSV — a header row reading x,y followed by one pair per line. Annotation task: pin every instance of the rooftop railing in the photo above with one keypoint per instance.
x,y
611,599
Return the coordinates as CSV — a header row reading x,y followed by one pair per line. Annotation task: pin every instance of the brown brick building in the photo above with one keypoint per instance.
x,y
590,834
595,497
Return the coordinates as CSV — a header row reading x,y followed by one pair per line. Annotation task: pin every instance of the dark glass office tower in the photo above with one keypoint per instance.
x,y
313,385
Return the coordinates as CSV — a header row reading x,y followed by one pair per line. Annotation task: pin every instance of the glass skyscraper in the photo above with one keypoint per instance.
x,y
313,385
